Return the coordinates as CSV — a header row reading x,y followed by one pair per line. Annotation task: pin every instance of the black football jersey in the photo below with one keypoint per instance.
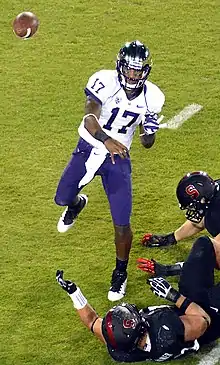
x,y
212,216
166,334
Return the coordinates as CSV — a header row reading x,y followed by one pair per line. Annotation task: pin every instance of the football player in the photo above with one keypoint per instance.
x,y
199,195
161,332
117,102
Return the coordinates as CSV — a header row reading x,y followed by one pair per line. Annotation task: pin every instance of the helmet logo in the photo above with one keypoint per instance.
x,y
192,191
129,323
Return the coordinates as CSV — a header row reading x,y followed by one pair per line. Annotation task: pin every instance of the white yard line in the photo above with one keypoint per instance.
x,y
212,357
180,118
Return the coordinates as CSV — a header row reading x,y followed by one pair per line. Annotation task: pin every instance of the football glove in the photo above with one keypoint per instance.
x,y
163,289
157,240
150,123
152,267
157,269
67,285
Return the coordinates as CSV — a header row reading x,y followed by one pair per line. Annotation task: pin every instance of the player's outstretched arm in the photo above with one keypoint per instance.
x,y
188,229
86,313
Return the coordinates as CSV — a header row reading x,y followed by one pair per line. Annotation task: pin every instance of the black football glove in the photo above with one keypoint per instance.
x,y
67,285
163,289
157,240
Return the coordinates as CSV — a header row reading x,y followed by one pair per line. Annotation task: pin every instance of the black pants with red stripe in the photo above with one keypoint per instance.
x,y
197,283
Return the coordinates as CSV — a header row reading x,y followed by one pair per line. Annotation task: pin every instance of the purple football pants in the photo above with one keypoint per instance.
x,y
116,180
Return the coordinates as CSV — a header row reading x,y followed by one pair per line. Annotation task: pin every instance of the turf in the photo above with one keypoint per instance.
x,y
42,103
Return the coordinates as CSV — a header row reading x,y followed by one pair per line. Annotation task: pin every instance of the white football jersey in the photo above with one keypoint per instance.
x,y
119,115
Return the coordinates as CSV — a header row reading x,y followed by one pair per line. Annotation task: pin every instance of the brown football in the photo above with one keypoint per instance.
x,y
25,24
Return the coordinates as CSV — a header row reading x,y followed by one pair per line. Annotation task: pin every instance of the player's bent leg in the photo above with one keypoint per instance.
x,y
70,214
216,245
123,239
197,275
68,189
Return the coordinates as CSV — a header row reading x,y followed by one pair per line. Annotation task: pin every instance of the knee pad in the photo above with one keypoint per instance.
x,y
202,246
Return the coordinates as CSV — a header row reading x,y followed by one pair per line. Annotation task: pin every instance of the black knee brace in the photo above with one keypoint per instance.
x,y
202,247
197,275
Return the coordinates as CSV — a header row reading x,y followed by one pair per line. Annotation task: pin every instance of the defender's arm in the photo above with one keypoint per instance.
x,y
188,229
86,313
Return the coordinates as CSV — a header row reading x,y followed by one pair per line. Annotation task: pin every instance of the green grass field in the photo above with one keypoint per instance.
x,y
42,103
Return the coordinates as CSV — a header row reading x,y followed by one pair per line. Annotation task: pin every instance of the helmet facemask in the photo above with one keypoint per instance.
x,y
196,210
132,78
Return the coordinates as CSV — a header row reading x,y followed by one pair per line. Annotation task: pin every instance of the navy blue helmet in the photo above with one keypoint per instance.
x,y
133,65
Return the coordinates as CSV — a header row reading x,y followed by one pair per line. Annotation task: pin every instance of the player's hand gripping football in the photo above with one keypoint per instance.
x,y
116,148
152,267
157,240
67,285
163,289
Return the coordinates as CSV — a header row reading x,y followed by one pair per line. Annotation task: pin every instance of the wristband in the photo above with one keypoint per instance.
x,y
171,238
185,304
79,301
173,295
90,115
101,136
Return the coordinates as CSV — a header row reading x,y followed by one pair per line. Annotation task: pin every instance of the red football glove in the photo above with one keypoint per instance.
x,y
157,269
146,265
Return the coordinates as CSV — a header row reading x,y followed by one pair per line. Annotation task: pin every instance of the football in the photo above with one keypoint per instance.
x,y
25,24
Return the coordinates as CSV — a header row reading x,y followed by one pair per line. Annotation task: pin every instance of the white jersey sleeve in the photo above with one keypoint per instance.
x,y
155,98
99,86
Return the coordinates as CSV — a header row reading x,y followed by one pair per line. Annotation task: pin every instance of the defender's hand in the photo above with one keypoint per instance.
x,y
152,267
157,240
115,147
163,289
67,285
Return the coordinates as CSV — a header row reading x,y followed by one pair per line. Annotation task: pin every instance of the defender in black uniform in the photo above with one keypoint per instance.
x,y
199,195
165,332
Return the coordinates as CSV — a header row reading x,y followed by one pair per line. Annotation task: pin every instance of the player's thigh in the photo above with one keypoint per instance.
x,y
69,184
118,187
197,275
214,296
